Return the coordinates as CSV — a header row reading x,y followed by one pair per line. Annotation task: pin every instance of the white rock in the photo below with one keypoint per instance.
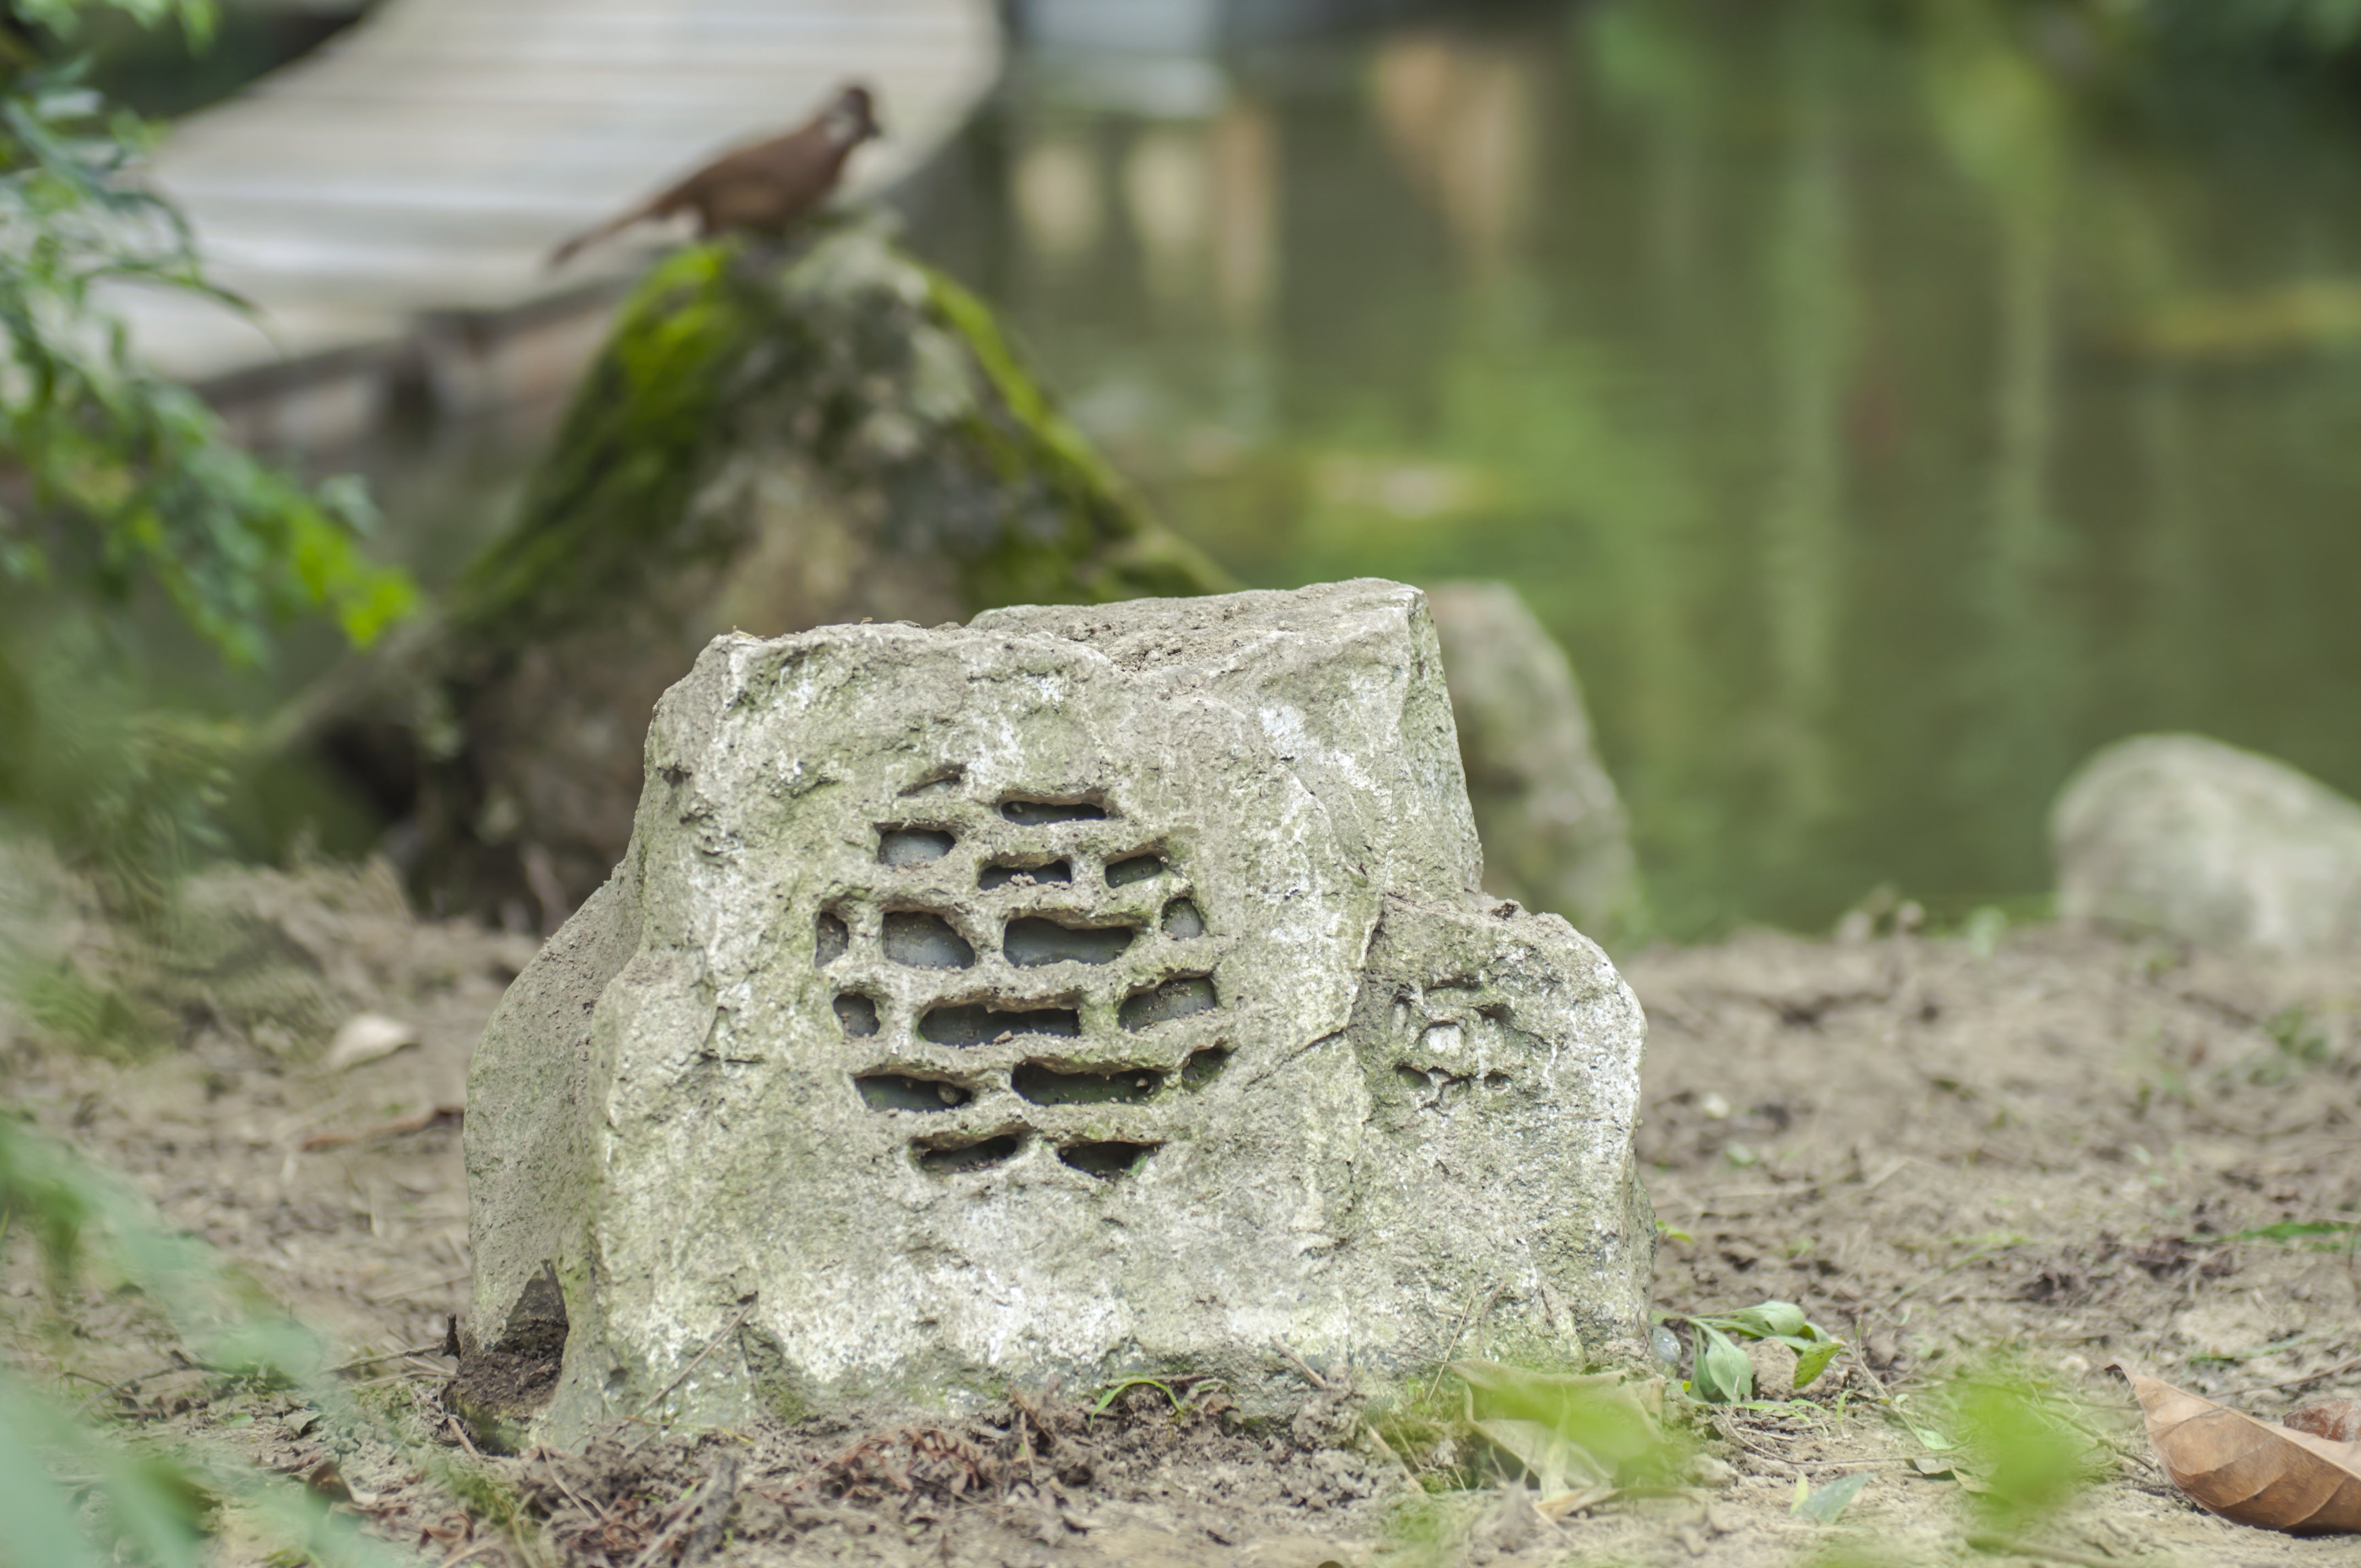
x,y
1079,993
1554,829
2180,834
366,1037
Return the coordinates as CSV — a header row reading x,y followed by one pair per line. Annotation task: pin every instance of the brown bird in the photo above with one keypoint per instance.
x,y
766,189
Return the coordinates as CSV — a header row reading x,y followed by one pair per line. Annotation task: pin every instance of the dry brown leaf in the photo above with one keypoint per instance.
x,y
1566,1503
2248,1471
2338,1420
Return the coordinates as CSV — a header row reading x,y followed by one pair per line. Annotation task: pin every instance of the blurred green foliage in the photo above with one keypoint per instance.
x,y
119,476
114,480
1571,1430
75,1496
2033,1457
2306,31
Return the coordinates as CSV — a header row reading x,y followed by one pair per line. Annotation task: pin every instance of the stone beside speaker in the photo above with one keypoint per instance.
x,y
1082,992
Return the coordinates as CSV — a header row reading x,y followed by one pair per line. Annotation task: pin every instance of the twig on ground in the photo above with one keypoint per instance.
x,y
442,1115
1953,1266
1890,1172
1729,1430
1793,1189
387,1355
1468,1317
2348,1365
116,1390
711,1345
577,1498
461,1433
420,1290
1302,1366
2001,1546
1409,1477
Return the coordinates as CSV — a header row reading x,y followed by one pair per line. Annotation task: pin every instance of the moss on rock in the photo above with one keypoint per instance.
x,y
860,373
773,438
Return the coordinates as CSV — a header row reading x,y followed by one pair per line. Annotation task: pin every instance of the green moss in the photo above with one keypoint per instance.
x,y
627,459
873,380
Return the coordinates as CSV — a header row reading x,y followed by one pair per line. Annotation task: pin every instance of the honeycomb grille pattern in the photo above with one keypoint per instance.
x,y
1014,973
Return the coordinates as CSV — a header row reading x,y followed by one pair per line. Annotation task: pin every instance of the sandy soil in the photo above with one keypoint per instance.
x,y
2023,1157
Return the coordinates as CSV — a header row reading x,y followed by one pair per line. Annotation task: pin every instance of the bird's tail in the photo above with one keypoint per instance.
x,y
589,237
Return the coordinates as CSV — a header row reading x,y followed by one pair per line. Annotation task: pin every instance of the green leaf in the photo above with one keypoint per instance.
x,y
1723,1375
2293,1230
1929,1438
1772,1319
1557,1464
1116,1388
43,1528
1810,1363
1823,1506
1611,1419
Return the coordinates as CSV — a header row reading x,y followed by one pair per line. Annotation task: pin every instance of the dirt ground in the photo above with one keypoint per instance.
x,y
2030,1152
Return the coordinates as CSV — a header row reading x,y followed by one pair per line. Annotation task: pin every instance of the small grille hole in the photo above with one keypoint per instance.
x,y
1138,867
1043,813
1121,1086
858,1013
1182,919
1203,1067
1032,942
1004,874
832,940
973,1024
894,1091
918,940
948,1159
1105,1160
912,846
1175,998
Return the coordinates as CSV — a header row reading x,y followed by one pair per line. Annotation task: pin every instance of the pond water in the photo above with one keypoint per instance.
x,y
1883,416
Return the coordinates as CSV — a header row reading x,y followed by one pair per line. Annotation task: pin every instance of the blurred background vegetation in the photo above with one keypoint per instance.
x,y
1886,401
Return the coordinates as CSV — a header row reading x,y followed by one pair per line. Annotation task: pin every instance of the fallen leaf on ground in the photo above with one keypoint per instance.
x,y
1557,1464
1568,1503
1823,1506
329,1481
1938,1469
2250,1472
2338,1420
365,1037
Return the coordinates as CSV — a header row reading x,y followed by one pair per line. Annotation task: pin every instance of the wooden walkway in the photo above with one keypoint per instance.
x,y
388,201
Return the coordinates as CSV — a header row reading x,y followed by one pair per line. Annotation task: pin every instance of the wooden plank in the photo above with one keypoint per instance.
x,y
428,159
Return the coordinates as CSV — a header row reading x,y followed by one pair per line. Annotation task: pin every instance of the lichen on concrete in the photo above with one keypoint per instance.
x,y
1082,992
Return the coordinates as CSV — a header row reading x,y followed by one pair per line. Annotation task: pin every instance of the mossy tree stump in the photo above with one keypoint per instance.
x,y
772,439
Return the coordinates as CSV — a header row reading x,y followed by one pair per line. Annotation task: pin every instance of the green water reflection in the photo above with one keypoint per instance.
x,y
1883,419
